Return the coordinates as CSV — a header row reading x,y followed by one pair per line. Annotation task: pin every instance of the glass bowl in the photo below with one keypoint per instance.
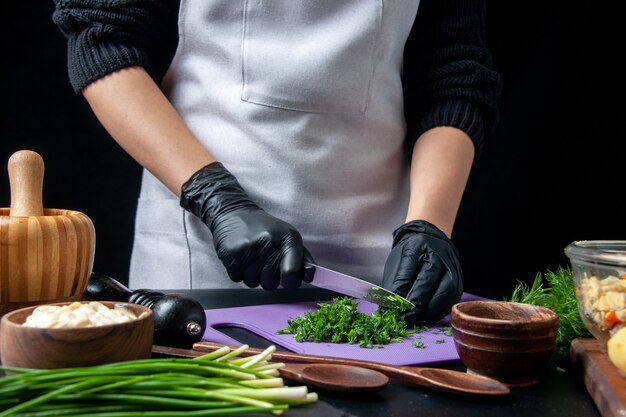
x,y
599,269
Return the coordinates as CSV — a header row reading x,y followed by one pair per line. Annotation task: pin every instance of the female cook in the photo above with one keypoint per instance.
x,y
287,130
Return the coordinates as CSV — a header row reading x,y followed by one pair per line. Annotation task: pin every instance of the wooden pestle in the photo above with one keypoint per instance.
x,y
26,170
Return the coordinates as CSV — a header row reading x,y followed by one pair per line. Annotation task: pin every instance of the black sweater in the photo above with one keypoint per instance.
x,y
447,76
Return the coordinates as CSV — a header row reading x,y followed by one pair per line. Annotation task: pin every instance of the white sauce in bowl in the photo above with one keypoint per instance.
x,y
78,315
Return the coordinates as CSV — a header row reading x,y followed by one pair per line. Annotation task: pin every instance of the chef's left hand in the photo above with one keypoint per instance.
x,y
423,267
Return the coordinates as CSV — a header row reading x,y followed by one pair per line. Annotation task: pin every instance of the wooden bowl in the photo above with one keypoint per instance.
x,y
38,348
45,259
46,255
511,342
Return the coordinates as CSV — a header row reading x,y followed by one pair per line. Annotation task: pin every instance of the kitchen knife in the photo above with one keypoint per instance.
x,y
358,288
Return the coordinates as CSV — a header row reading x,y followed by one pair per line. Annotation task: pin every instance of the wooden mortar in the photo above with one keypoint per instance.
x,y
46,255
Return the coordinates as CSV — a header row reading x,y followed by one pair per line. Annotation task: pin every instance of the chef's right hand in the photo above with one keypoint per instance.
x,y
254,246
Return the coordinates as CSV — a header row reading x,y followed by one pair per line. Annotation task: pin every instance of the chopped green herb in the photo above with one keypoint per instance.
x,y
419,344
420,329
341,322
390,300
447,330
440,341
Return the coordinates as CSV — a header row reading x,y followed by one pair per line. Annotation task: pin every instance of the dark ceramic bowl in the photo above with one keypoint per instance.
x,y
511,342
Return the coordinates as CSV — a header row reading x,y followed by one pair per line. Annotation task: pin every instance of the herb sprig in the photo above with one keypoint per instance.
x,y
559,295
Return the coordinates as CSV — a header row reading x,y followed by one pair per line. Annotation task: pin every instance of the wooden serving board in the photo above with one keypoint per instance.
x,y
606,385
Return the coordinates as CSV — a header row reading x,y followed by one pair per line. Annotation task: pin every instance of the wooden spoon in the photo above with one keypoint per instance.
x,y
434,378
334,377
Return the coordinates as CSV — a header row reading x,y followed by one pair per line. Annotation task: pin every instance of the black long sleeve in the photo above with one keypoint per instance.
x,y
105,36
447,75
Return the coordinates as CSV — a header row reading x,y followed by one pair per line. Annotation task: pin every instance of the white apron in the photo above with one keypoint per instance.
x,y
302,101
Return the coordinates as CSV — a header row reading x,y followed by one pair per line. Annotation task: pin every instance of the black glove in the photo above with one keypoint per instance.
x,y
255,247
423,267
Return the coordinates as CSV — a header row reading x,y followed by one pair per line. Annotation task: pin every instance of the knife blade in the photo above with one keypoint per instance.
x,y
358,288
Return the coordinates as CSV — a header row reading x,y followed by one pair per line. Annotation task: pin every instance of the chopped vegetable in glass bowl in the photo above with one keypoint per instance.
x,y
599,269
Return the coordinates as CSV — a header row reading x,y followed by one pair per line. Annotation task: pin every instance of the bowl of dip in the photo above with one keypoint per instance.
x,y
74,334
599,270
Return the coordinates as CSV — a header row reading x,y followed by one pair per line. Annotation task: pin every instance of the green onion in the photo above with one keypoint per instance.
x,y
217,383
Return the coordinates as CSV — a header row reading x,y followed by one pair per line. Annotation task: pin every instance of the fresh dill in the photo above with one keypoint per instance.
x,y
417,343
420,328
389,300
447,331
558,294
341,322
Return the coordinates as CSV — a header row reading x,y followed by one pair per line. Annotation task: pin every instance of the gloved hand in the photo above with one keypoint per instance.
x,y
423,267
255,247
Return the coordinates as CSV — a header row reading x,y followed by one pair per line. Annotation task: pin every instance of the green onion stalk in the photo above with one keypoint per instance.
x,y
218,383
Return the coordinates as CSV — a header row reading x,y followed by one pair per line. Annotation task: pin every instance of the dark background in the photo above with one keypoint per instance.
x,y
551,173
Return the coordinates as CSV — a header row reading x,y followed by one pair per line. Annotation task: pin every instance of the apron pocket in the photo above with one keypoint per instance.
x,y
314,56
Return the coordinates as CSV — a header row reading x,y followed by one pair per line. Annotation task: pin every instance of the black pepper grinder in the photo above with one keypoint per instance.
x,y
179,321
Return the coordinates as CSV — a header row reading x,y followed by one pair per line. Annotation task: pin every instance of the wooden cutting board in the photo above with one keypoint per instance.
x,y
604,382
